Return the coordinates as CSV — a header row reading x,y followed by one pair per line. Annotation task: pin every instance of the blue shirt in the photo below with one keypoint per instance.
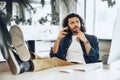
x,y
93,55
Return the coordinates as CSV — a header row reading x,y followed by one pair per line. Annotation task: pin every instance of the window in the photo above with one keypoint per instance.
x,y
100,18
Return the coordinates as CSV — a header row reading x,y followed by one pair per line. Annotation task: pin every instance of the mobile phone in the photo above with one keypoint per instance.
x,y
66,30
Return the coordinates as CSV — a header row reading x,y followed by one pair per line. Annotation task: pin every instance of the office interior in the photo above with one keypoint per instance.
x,y
41,21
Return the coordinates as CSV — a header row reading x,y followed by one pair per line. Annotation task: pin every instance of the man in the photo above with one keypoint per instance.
x,y
74,32
66,51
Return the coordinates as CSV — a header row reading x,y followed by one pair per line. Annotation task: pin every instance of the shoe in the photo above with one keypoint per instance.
x,y
13,60
19,44
15,64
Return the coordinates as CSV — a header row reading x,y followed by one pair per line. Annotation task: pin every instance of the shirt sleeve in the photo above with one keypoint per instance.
x,y
94,51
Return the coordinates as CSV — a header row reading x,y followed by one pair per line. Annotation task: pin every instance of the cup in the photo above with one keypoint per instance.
x,y
105,60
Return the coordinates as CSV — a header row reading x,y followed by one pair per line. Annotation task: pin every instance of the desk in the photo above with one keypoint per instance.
x,y
54,74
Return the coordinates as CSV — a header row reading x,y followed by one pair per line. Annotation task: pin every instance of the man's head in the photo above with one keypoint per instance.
x,y
74,22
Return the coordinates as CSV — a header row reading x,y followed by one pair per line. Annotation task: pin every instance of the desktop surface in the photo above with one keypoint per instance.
x,y
55,74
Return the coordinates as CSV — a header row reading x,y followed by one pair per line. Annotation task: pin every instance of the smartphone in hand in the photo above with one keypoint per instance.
x,y
66,29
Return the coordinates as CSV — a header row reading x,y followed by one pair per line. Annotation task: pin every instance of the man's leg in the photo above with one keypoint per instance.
x,y
40,64
35,56
16,65
18,55
37,63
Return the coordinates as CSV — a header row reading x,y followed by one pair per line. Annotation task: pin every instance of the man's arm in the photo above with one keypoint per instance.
x,y
87,46
94,51
81,37
57,42
56,46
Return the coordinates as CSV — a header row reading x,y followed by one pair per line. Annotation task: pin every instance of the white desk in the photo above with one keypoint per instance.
x,y
54,74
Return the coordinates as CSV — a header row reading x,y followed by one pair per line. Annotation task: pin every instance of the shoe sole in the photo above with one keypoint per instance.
x,y
13,64
5,46
19,44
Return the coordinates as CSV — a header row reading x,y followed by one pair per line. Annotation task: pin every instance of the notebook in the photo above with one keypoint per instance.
x,y
87,67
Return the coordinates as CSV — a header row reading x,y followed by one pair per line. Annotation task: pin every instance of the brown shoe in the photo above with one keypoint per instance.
x,y
19,44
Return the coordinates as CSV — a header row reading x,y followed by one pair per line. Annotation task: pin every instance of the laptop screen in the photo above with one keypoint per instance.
x,y
114,54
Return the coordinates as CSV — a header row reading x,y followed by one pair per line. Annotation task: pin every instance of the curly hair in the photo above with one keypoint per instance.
x,y
65,22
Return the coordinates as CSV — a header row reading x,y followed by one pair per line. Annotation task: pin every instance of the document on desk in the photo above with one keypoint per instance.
x,y
87,67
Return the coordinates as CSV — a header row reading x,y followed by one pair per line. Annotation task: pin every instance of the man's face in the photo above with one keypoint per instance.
x,y
74,24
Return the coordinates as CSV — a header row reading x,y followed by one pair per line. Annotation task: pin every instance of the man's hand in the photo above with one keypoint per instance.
x,y
62,33
80,35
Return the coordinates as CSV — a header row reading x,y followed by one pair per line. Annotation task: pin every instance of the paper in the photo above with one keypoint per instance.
x,y
87,67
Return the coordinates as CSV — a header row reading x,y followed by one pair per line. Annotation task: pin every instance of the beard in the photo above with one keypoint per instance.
x,y
75,30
